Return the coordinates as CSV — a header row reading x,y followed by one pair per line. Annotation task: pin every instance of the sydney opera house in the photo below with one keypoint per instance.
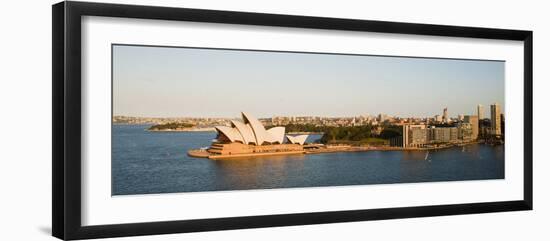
x,y
249,137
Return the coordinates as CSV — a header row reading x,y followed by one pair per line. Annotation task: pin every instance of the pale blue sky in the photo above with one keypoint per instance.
x,y
186,82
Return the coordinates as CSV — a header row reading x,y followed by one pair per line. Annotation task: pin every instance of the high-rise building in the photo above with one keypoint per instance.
x,y
414,135
442,134
445,114
480,112
495,119
474,122
405,142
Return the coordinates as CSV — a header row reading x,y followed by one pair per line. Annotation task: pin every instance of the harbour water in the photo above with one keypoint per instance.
x,y
146,162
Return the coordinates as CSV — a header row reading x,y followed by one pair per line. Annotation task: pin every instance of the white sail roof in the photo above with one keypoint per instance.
x,y
257,128
276,134
251,131
231,133
245,131
301,139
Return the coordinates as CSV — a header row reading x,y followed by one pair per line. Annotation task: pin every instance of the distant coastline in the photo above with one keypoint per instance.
x,y
192,129
180,129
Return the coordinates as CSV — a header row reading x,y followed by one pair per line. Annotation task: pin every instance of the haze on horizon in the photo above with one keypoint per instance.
x,y
190,82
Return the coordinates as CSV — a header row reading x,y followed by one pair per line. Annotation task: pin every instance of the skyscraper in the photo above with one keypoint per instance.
x,y
474,123
495,119
445,115
480,112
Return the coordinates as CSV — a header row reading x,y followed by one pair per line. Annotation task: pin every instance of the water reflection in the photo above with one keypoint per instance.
x,y
414,155
247,172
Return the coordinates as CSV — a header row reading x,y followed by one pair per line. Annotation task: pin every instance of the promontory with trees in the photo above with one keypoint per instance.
x,y
172,126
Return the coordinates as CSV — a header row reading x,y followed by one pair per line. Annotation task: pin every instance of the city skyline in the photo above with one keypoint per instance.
x,y
372,115
381,117
185,82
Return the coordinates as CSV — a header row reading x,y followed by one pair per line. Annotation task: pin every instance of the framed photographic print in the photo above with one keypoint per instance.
x,y
169,120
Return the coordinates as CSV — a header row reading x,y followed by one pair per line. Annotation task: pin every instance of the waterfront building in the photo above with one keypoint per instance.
x,y
405,136
251,137
480,112
453,134
397,141
422,135
419,137
414,135
495,119
474,122
484,128
434,134
443,134
465,131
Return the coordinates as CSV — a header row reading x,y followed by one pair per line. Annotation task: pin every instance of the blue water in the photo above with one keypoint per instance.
x,y
156,162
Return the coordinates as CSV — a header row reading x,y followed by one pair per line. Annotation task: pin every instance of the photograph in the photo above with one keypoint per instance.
x,y
274,120
192,119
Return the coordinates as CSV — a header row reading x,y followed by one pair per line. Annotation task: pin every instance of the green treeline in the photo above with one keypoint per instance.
x,y
170,126
360,134
391,132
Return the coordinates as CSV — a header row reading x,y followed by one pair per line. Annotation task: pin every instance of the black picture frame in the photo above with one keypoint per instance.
x,y
66,127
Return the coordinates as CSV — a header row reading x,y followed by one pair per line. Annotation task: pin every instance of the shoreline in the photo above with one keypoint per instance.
x,y
202,153
333,149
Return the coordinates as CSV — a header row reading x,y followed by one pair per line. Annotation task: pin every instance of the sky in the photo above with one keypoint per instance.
x,y
190,82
